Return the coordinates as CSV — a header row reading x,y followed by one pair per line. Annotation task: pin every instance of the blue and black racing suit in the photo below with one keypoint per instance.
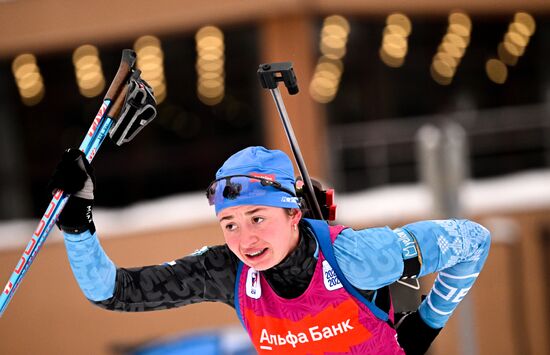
x,y
369,258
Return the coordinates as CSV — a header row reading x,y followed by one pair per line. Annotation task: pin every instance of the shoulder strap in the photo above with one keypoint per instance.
x,y
322,234
236,293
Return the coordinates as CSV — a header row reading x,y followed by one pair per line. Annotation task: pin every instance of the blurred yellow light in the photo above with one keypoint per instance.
x,y
152,76
459,30
455,39
88,70
33,99
462,19
150,52
210,42
322,90
505,56
87,60
516,39
216,76
337,20
162,93
333,53
86,50
209,36
23,60
28,74
496,71
146,41
395,40
151,66
156,82
513,49
328,70
31,88
334,30
217,52
451,49
210,57
29,80
443,68
95,68
84,77
447,58
324,86
149,58
438,78
159,89
332,41
400,20
210,66
394,30
519,28
332,62
24,70
93,90
211,101
395,49
210,92
391,61
214,83
320,98
32,91
527,20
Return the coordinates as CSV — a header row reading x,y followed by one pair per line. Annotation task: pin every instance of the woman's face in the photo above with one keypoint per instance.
x,y
260,236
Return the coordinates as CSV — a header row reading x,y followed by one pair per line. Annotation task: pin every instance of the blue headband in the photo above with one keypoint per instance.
x,y
270,165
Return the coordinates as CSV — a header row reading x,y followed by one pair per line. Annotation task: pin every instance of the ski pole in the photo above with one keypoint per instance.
x,y
270,75
113,103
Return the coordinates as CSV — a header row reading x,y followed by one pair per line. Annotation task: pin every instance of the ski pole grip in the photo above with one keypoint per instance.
x,y
121,77
271,73
116,108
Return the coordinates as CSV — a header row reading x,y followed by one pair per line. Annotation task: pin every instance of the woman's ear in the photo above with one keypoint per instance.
x,y
296,215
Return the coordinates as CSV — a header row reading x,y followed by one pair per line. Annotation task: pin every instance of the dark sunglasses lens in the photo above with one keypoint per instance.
x,y
235,186
211,193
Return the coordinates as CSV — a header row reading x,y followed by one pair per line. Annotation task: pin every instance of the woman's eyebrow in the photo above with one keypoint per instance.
x,y
254,210
226,217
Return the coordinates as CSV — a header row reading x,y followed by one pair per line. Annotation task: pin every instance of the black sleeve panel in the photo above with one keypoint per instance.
x,y
199,277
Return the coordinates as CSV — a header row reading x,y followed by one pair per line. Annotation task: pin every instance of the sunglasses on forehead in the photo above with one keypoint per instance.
x,y
231,187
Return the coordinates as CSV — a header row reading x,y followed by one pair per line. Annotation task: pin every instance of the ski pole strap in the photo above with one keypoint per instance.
x,y
138,110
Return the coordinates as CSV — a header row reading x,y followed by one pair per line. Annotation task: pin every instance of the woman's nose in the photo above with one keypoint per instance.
x,y
248,237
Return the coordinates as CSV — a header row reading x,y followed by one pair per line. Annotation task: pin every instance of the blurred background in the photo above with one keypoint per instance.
x,y
410,110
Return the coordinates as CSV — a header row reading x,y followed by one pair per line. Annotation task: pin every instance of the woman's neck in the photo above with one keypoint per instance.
x,y
291,277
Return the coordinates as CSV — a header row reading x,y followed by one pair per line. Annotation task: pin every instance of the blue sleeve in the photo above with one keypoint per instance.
x,y
457,249
92,268
369,258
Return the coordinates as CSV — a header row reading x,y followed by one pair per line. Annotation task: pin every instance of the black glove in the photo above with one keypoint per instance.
x,y
413,334
75,176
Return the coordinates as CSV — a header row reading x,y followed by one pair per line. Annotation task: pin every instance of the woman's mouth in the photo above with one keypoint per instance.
x,y
255,254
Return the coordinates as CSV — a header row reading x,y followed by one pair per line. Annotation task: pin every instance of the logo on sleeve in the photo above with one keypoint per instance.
x,y
329,277
253,288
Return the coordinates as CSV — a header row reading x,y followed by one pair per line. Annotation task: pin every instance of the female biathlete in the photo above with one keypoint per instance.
x,y
298,285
